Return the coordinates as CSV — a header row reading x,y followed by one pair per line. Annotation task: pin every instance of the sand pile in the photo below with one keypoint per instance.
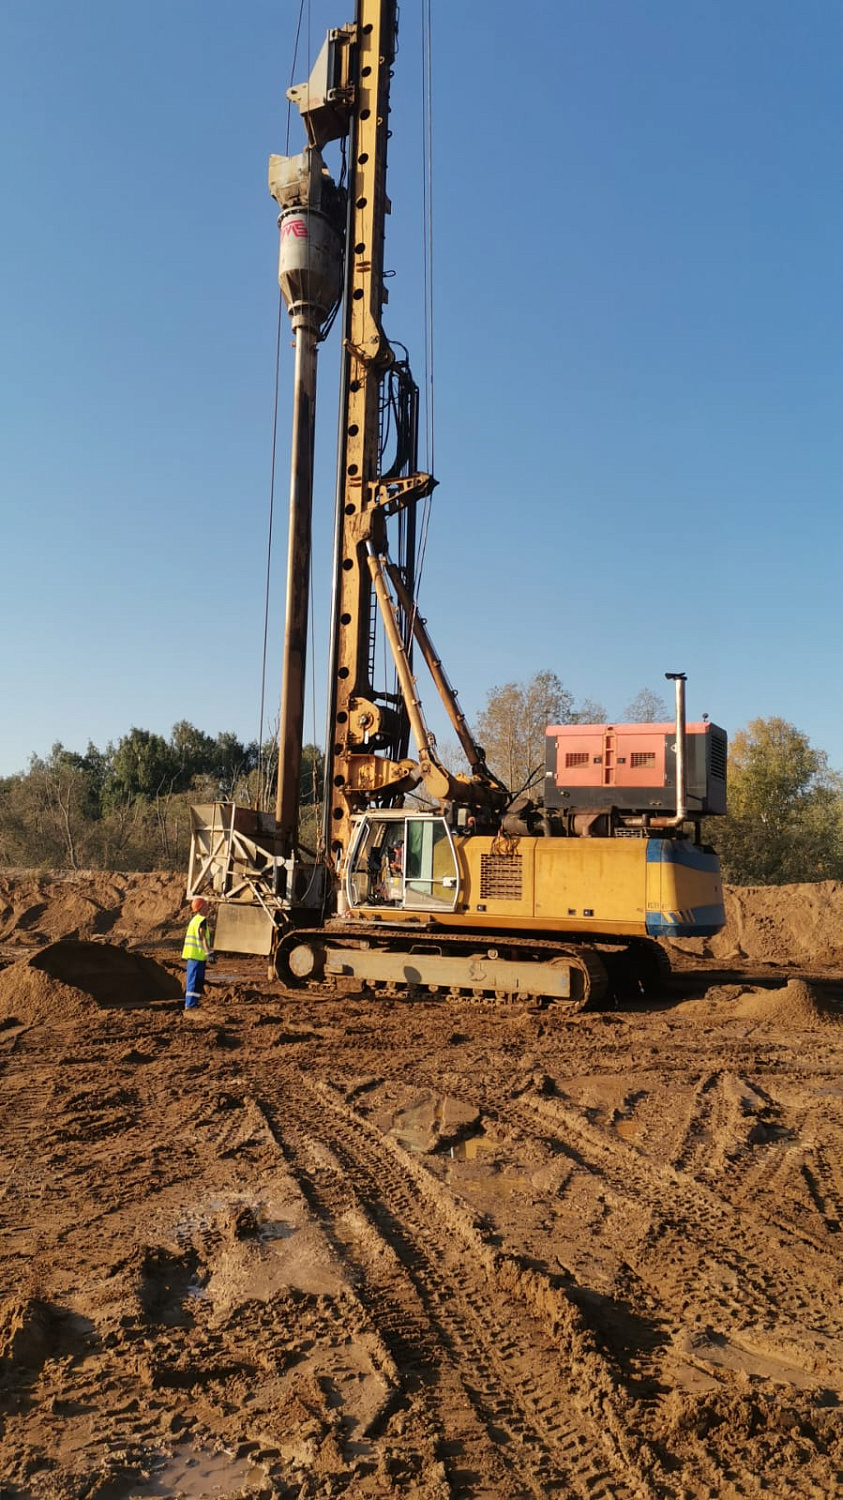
x,y
37,908
797,1004
799,925
61,982
28,998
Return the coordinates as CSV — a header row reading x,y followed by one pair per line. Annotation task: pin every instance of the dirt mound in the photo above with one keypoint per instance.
x,y
60,982
795,1006
36,908
791,924
798,1004
29,998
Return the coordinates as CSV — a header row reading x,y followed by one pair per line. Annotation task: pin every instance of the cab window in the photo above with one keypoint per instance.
x,y
430,865
407,863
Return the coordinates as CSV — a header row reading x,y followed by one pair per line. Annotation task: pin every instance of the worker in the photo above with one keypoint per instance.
x,y
198,950
396,858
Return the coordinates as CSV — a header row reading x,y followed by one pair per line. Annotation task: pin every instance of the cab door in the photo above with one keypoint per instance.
x,y
431,873
407,863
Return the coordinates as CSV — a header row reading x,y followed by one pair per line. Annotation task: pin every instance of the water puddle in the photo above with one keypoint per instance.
x,y
474,1148
432,1122
486,1169
193,1474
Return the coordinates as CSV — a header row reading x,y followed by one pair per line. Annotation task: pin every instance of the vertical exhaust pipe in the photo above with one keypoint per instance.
x,y
679,679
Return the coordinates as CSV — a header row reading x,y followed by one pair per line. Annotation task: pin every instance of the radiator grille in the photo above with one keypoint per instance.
x,y
575,758
500,877
643,758
718,756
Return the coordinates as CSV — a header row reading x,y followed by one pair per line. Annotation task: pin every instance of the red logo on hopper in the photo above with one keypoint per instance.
x,y
294,226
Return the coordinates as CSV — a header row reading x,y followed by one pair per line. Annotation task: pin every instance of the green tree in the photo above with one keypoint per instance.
x,y
19,841
312,791
144,765
785,819
50,815
232,762
193,752
511,728
257,784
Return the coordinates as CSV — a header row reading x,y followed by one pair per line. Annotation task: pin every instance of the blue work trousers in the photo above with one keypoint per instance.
x,y
194,982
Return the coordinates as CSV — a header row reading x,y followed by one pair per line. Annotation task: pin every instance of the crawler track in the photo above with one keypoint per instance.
x,y
589,978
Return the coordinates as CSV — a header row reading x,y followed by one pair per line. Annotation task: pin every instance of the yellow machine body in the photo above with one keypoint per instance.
x,y
594,887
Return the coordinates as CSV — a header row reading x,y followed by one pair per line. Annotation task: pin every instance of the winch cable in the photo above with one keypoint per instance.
x,y
259,790
302,4
427,294
427,241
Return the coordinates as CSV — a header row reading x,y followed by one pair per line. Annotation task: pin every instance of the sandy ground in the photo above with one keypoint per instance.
x,y
290,1247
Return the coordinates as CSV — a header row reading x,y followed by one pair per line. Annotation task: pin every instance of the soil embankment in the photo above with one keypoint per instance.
x,y
291,1247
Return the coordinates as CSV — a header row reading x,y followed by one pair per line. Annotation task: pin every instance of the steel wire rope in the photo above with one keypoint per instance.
x,y
427,243
427,292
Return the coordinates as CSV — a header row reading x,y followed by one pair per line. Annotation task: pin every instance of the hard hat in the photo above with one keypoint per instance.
x,y
199,904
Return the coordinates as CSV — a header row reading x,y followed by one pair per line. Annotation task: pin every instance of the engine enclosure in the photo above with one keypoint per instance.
x,y
632,768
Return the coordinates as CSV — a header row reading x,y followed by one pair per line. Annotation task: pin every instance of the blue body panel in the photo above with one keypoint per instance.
x,y
696,921
694,876
679,852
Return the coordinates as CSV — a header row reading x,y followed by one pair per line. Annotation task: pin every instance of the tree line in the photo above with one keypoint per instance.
x,y
127,807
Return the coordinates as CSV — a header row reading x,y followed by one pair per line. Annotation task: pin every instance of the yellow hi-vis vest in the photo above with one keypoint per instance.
x,y
197,945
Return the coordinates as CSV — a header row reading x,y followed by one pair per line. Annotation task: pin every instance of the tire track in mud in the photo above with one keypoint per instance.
x,y
792,1175
711,1118
696,1242
687,1214
494,1353
769,1147
688,1217
824,1181
27,1092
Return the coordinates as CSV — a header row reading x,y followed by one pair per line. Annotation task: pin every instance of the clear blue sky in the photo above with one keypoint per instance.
x,y
638,371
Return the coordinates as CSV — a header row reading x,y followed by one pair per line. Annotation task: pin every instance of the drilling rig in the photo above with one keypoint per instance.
x,y
429,881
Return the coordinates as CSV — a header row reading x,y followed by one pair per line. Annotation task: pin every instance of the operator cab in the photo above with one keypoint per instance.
x,y
403,860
